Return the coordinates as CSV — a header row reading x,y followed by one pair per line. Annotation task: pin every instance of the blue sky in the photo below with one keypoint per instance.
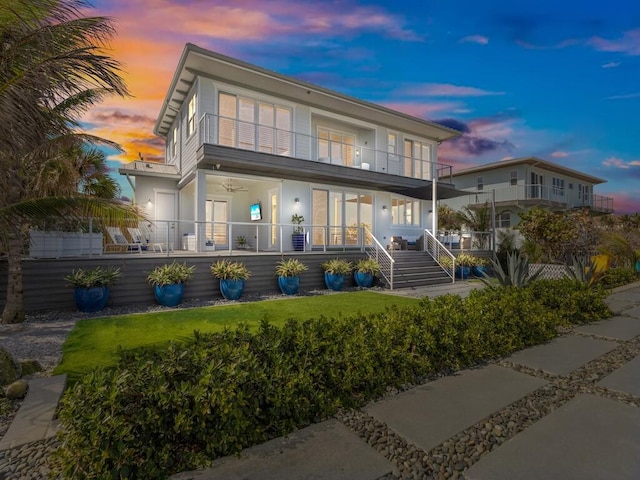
x,y
558,80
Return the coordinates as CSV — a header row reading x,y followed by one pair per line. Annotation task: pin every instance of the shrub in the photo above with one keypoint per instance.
x,y
574,302
95,277
337,266
173,408
367,265
516,274
291,267
616,277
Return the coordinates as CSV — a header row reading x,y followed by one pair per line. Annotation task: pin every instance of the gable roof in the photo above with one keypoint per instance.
x,y
532,161
199,62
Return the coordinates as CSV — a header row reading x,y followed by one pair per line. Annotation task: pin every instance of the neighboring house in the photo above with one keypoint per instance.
x,y
519,184
246,148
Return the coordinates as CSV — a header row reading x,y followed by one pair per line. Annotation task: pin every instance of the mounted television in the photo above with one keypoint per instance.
x,y
256,211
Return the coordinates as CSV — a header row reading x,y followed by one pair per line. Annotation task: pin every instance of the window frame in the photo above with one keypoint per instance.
x,y
191,115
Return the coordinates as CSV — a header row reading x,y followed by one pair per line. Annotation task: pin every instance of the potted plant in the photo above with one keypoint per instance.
x,y
241,242
335,271
232,276
91,287
297,237
365,271
479,268
464,262
288,272
168,282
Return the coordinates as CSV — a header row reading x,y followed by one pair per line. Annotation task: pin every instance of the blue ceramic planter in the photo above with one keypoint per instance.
x,y
231,289
169,295
363,279
463,272
91,299
289,285
297,239
478,271
333,282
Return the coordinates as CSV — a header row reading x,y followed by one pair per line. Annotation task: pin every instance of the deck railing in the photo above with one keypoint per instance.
x,y
375,250
440,254
535,192
231,132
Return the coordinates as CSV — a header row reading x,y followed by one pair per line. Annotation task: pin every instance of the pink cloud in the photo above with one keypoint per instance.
x,y
447,90
629,43
625,202
479,39
559,154
619,163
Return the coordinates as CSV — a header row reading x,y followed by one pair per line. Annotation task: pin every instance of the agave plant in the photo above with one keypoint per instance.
x,y
584,270
517,274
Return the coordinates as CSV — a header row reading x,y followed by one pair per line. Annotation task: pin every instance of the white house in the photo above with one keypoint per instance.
x,y
519,184
246,148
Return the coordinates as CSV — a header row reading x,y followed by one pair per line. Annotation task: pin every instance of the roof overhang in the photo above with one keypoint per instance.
x,y
231,160
534,162
149,169
199,62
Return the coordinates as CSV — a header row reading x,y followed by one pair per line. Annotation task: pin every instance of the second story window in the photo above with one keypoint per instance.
x,y
417,159
336,146
191,117
392,142
480,184
253,125
558,186
514,177
174,141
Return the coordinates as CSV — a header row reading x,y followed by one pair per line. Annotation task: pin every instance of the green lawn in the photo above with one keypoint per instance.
x,y
94,342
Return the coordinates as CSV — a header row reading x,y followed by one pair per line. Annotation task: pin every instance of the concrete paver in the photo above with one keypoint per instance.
x,y
625,379
327,450
620,328
428,415
632,312
562,355
589,438
34,420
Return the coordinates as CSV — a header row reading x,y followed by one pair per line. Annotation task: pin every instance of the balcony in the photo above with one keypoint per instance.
x,y
226,142
542,195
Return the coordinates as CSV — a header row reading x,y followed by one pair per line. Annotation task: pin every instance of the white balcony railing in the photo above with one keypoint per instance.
x,y
230,132
544,193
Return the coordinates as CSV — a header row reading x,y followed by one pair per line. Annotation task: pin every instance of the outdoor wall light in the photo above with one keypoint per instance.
x,y
149,203
384,208
297,200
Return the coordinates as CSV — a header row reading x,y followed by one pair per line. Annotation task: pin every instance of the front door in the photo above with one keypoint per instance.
x,y
217,215
165,218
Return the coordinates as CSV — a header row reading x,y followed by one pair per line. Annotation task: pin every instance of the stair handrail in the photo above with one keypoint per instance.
x,y
375,250
439,252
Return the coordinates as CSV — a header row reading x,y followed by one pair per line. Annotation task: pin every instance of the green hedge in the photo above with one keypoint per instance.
x,y
176,408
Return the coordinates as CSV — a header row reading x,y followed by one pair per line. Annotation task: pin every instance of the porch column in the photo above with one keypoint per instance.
x,y
200,202
434,193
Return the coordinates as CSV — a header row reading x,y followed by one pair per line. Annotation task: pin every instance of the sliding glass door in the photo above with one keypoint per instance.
x,y
338,216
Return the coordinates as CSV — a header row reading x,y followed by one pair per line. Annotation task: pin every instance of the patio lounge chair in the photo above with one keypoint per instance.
x,y
120,242
144,236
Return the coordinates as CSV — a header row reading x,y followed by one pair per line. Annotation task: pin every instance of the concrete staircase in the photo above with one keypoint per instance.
x,y
414,269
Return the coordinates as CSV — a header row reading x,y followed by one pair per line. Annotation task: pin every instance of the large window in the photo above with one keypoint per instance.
x,y
417,159
191,118
337,146
337,216
480,184
405,211
252,125
514,177
558,186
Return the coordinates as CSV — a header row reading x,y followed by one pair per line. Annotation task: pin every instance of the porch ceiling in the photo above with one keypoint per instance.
x,y
248,162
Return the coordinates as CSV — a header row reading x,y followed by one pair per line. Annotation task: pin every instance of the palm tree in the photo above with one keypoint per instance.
x,y
52,69
478,219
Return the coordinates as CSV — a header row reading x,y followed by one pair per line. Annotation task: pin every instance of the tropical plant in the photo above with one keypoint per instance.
x,y
96,277
446,261
367,265
448,219
516,275
466,260
297,220
619,246
583,270
291,267
171,273
337,266
477,219
228,270
241,240
52,71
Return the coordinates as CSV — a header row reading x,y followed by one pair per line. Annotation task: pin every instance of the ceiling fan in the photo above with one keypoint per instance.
x,y
231,188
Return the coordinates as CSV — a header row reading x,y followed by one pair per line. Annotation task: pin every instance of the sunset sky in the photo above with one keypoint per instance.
x,y
555,79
